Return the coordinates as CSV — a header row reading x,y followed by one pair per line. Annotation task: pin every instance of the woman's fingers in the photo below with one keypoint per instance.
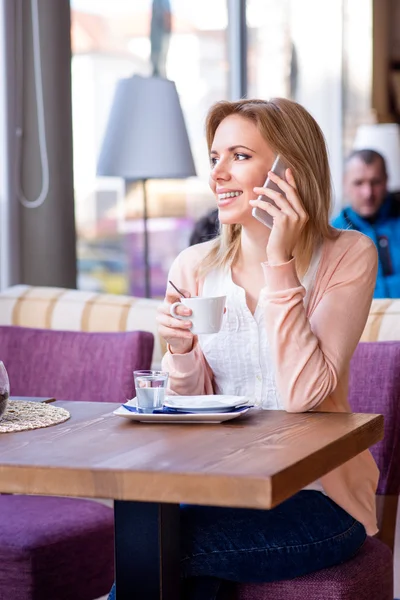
x,y
181,310
285,186
277,197
173,296
282,204
172,329
290,178
290,190
275,212
291,204
175,331
169,333
169,321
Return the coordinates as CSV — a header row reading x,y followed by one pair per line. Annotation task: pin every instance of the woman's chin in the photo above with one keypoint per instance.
x,y
230,217
226,220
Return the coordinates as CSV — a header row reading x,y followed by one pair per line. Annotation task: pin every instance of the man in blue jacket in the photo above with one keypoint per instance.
x,y
376,213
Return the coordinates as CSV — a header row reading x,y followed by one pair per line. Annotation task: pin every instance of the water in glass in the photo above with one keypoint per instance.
x,y
150,389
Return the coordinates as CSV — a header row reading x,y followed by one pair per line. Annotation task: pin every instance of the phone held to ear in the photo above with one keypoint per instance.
x,y
279,167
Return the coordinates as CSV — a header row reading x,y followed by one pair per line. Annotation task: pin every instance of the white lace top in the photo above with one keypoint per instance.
x,y
239,354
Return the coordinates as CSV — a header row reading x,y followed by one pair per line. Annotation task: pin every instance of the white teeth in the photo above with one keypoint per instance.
x,y
228,195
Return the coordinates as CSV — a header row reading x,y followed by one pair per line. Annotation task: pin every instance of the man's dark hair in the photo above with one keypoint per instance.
x,y
368,157
205,228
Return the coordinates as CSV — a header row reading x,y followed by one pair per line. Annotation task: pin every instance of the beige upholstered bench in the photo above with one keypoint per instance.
x,y
383,323
59,308
76,310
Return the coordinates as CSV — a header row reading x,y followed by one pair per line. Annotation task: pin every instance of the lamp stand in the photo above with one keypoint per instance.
x,y
146,244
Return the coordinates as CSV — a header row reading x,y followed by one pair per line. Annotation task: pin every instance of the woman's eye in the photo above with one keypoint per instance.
x,y
241,156
213,161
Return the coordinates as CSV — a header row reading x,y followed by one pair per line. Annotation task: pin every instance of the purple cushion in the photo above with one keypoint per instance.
x,y
375,388
74,365
55,548
62,548
368,576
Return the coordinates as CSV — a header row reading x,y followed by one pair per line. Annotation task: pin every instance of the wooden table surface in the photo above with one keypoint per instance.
x,y
255,461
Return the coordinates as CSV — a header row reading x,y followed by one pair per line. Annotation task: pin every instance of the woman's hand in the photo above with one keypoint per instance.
x,y
174,331
289,218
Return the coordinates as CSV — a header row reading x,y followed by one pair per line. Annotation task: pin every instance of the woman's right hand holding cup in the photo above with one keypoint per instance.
x,y
175,332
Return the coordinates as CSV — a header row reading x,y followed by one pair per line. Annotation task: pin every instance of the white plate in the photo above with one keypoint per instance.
x,y
178,418
205,403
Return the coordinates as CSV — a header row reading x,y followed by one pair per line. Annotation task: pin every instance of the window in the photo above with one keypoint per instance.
x,y
110,40
295,51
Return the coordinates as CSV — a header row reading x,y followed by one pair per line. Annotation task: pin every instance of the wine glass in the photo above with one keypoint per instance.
x,y
4,388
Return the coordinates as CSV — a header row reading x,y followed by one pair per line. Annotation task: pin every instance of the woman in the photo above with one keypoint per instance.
x,y
298,297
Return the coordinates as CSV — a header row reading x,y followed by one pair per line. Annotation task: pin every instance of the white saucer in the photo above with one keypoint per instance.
x,y
205,402
176,418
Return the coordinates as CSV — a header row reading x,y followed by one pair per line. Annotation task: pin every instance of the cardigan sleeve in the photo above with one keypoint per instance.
x,y
189,374
311,354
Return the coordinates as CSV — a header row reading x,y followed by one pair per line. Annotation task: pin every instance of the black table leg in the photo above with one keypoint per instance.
x,y
147,550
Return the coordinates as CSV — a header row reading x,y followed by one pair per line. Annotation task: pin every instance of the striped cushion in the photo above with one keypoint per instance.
x,y
76,310
383,323
58,308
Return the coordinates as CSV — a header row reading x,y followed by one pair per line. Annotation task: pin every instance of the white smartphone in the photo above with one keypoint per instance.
x,y
279,167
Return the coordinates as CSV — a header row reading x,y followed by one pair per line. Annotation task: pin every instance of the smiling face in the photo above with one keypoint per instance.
x,y
240,160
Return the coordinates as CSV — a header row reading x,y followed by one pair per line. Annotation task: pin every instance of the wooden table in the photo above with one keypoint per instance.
x,y
256,461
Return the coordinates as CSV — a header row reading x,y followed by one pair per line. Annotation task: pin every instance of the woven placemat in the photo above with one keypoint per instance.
x,y
20,416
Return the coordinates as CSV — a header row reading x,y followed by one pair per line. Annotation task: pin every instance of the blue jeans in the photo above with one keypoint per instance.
x,y
305,533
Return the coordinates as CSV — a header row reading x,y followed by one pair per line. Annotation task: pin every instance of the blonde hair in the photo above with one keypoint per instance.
x,y
291,132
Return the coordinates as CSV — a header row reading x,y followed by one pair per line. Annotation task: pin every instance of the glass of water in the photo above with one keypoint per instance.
x,y
150,389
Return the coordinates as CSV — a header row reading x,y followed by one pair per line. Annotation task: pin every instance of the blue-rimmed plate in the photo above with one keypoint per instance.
x,y
205,403
128,411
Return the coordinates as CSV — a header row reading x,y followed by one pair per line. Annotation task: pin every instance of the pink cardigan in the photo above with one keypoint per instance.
x,y
311,349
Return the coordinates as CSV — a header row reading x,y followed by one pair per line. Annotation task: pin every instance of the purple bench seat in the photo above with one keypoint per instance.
x,y
374,388
55,548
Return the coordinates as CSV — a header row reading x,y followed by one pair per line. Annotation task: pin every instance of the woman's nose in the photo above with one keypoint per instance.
x,y
220,171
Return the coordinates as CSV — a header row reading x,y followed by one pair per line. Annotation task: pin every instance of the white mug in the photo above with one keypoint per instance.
x,y
206,314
